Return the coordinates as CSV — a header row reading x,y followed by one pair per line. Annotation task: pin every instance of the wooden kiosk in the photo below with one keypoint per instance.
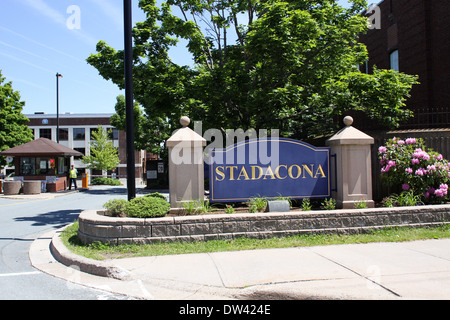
x,y
42,160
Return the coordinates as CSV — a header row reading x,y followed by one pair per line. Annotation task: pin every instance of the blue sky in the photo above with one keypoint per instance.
x,y
39,38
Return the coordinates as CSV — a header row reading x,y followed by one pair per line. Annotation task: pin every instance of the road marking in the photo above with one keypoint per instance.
x,y
14,204
19,274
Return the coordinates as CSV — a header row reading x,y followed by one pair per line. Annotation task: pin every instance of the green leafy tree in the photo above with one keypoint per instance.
x,y
290,65
103,154
149,131
13,128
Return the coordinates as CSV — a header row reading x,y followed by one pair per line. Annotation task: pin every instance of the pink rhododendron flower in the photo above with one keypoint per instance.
x,y
419,172
382,149
410,140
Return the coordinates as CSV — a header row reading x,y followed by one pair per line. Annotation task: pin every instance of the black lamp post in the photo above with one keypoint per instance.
x,y
131,183
57,105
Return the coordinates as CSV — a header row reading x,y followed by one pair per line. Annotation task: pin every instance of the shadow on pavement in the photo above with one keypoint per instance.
x,y
56,219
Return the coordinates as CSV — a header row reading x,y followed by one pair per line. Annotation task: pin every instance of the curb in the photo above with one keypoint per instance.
x,y
94,267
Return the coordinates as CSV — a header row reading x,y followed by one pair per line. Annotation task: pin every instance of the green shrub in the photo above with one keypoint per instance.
x,y
147,207
156,195
116,207
105,181
409,164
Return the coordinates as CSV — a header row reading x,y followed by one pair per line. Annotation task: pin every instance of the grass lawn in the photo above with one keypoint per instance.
x,y
100,251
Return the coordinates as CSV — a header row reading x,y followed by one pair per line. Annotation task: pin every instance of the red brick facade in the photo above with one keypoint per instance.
x,y
420,31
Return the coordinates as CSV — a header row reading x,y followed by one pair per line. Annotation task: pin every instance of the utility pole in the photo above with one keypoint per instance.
x,y
128,59
57,105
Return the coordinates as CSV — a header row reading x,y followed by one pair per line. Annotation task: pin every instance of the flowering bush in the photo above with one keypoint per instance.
x,y
409,164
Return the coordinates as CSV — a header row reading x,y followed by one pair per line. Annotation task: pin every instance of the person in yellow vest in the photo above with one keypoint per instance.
x,y
73,177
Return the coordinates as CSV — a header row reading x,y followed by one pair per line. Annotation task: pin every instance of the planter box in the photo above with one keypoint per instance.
x,y
93,226
11,187
32,187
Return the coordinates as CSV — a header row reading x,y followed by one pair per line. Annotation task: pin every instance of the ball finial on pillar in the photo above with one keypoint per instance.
x,y
184,121
348,121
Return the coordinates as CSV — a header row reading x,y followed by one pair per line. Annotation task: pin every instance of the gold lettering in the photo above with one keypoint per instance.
x,y
310,171
267,173
231,171
320,171
220,173
243,173
299,171
277,171
253,172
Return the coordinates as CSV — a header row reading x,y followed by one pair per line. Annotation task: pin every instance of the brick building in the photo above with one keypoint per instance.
x,y
75,133
414,38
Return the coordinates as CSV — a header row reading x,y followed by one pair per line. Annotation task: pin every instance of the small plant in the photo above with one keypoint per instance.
x,y
197,207
257,204
204,206
404,199
229,209
190,206
329,204
306,205
116,207
362,204
387,202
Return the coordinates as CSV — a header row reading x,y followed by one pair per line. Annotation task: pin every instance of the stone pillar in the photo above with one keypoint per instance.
x,y
186,176
354,169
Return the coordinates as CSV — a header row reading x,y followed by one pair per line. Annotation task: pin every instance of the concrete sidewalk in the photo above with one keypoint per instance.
x,y
409,270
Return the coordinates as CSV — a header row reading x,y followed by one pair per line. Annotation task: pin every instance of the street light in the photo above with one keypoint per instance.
x,y
57,105
128,59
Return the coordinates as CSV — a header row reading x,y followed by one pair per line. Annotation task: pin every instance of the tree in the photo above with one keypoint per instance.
x,y
13,128
149,132
290,65
103,154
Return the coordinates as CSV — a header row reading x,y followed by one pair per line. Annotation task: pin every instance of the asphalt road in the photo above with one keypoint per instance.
x,y
24,220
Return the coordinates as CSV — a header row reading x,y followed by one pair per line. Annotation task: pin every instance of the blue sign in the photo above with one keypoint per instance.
x,y
269,168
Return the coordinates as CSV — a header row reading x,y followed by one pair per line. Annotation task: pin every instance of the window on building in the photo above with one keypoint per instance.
x,y
45,133
82,150
78,133
27,166
394,60
45,166
63,134
113,134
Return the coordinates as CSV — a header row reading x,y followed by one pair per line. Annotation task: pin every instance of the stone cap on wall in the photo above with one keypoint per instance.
x,y
350,135
185,134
